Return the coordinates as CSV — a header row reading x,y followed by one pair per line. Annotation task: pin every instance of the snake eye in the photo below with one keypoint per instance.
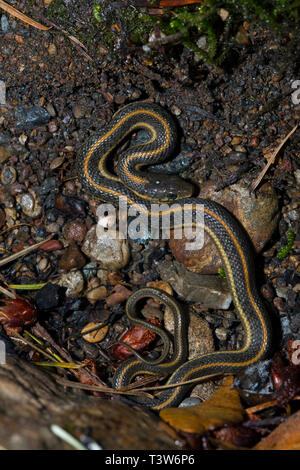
x,y
171,196
157,182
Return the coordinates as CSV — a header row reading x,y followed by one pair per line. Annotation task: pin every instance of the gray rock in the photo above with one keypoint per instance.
x,y
108,250
4,24
208,290
29,118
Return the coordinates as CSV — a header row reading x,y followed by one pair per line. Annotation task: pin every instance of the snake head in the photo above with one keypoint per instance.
x,y
162,187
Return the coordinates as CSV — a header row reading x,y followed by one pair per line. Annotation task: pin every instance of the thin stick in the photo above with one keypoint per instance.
x,y
18,14
100,388
271,160
24,252
7,292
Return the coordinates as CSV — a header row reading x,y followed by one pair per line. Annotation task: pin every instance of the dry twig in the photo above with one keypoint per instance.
x,y
21,16
271,160
24,252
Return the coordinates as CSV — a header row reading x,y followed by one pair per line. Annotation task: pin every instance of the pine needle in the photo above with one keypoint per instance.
x,y
271,160
21,16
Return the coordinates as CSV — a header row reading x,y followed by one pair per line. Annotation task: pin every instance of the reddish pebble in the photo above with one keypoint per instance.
x,y
75,231
51,245
18,247
254,142
120,293
16,313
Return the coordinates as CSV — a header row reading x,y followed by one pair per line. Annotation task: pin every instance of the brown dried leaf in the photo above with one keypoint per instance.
x,y
286,380
16,313
93,332
137,337
223,407
120,293
285,437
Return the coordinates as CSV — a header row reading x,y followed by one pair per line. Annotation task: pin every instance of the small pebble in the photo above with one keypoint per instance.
x,y
4,24
5,154
98,293
42,264
78,111
8,175
221,333
240,148
72,258
74,283
52,49
75,230
52,127
51,110
279,304
94,336
49,297
29,204
111,252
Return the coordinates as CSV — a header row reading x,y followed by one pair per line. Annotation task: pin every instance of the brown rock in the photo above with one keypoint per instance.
x,y
258,214
72,258
5,153
74,230
200,342
208,291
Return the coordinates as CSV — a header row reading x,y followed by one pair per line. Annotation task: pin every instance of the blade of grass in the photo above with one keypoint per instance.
x,y
65,365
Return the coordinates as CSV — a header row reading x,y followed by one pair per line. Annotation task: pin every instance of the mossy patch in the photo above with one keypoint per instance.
x,y
202,28
197,23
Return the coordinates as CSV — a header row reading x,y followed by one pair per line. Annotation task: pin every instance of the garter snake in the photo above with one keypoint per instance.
x,y
141,189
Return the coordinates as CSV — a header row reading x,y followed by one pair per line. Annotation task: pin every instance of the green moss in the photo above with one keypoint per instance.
x,y
201,28
97,13
220,35
222,273
136,24
290,238
58,9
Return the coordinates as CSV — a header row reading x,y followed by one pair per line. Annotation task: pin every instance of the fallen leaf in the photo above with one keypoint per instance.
x,y
16,313
93,332
137,337
285,437
120,293
223,407
237,435
286,380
